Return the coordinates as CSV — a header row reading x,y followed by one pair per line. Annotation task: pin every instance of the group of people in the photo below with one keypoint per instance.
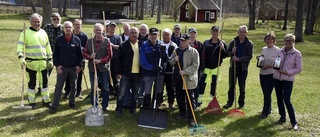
x,y
138,62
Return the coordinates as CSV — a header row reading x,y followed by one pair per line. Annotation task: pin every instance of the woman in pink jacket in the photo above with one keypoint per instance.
x,y
290,65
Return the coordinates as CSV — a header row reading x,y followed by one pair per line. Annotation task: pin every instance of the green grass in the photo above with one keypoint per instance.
x,y
71,122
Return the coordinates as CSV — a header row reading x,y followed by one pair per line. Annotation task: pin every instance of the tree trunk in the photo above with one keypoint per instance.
x,y
46,6
152,9
159,12
64,11
60,7
33,6
312,17
252,13
137,8
141,10
299,21
285,15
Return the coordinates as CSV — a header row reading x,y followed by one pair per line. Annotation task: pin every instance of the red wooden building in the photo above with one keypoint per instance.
x,y
198,11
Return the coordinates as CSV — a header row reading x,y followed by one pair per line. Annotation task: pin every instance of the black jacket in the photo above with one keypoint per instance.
x,y
124,59
246,53
212,53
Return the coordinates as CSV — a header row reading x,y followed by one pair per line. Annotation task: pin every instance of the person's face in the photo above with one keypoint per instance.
x,y
68,29
134,34
56,21
215,34
184,43
98,31
242,33
112,29
193,35
36,23
143,30
166,37
153,37
269,41
77,25
289,42
126,28
177,31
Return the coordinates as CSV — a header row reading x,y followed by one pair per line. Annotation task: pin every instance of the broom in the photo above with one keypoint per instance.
x,y
23,71
235,112
214,107
196,128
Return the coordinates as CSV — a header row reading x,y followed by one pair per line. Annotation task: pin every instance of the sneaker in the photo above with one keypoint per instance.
x,y
53,110
281,121
118,113
73,106
295,127
226,106
105,109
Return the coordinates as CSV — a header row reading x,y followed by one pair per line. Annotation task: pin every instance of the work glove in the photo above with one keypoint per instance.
x,y
22,63
49,64
157,69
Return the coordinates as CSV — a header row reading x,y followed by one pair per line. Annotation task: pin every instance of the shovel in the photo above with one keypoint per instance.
x,y
153,117
94,115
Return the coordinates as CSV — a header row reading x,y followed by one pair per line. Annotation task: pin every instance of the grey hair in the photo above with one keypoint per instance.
x,y
98,25
35,15
289,36
144,25
134,28
243,27
68,22
79,20
126,24
167,30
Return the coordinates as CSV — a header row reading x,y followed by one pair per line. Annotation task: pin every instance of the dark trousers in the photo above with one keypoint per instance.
x,y
127,83
79,84
203,84
283,92
113,89
182,99
266,83
169,88
61,78
200,89
33,78
241,75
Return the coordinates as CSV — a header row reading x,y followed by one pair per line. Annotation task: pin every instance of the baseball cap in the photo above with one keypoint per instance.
x,y
153,31
215,28
112,23
177,26
107,22
184,37
55,15
192,30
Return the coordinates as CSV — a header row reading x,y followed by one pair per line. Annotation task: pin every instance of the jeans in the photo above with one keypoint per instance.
x,y
283,92
242,77
127,83
104,78
266,82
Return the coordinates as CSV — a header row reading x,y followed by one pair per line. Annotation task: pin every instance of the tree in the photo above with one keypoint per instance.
x,y
252,13
152,9
141,10
159,12
46,6
60,7
286,16
137,8
64,11
299,21
313,7
32,3
175,9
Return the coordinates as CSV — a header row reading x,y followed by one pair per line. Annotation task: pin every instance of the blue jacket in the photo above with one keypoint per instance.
x,y
149,58
67,54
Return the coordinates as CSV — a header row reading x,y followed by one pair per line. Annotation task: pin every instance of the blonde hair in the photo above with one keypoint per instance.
x,y
289,36
98,25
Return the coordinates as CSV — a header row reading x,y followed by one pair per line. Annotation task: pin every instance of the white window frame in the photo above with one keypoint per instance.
x,y
212,15
187,14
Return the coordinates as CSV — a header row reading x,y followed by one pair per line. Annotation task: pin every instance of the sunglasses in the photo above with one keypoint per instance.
x,y
55,19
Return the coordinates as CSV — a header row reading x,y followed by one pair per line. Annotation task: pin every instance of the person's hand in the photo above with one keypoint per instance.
x,y
22,63
234,49
78,69
119,76
221,45
235,58
93,55
97,61
267,67
182,72
157,69
59,69
176,58
49,64
282,72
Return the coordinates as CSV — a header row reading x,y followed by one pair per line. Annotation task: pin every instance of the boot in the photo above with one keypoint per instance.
x,y
147,101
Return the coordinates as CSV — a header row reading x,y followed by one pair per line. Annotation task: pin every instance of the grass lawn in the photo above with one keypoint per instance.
x,y
15,122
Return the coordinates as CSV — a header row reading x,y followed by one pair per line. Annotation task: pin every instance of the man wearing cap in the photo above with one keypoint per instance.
x,y
240,50
188,58
106,27
212,47
151,53
115,41
83,38
170,46
176,34
126,33
200,48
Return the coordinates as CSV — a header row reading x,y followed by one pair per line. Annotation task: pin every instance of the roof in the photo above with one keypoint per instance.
x,y
203,4
106,1
279,5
